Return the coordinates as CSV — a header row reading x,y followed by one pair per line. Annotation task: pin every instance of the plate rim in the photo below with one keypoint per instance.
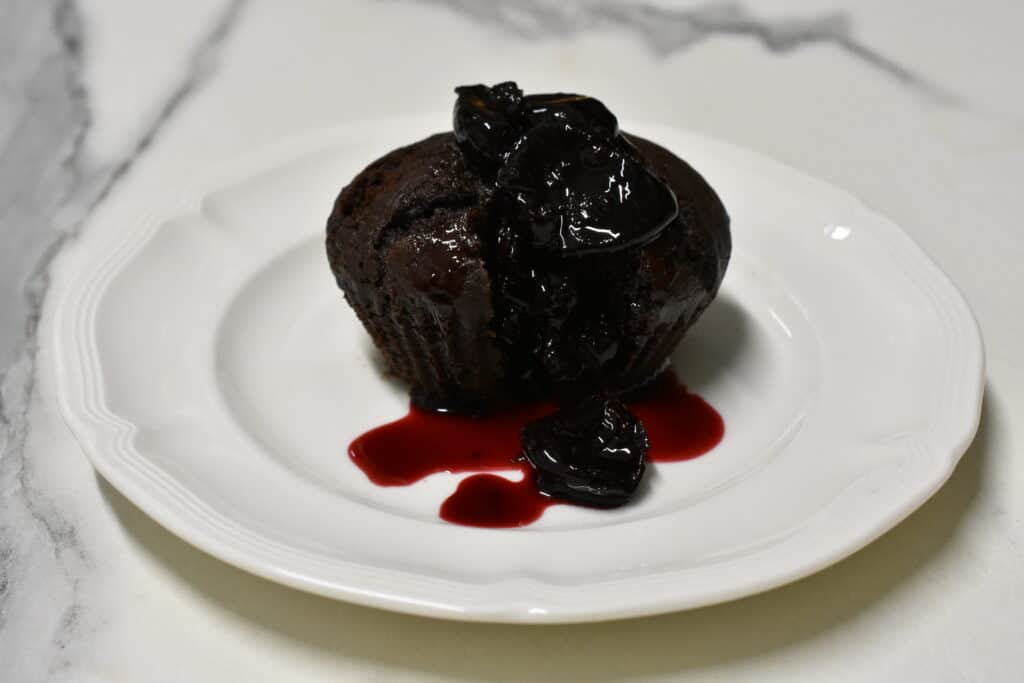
x,y
107,439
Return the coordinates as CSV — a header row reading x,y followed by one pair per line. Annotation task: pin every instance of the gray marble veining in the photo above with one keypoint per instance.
x,y
43,120
47,191
670,30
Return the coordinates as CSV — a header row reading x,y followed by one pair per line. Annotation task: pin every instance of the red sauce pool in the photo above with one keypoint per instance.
x,y
491,501
680,426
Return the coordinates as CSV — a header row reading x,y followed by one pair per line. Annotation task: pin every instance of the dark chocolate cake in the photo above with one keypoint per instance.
x,y
536,250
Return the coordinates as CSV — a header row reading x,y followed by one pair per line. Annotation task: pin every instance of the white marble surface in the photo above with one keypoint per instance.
x,y
915,106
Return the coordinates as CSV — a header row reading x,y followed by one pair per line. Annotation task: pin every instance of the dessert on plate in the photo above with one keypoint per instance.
x,y
535,252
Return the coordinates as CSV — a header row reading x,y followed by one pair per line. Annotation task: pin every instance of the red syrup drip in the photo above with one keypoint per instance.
x,y
423,443
490,501
680,426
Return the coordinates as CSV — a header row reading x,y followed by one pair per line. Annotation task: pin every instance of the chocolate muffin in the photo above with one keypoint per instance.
x,y
536,250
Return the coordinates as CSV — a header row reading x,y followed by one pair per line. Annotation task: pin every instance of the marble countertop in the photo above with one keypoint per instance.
x,y
914,106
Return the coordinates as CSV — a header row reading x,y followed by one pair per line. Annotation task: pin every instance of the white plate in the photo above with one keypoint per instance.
x,y
212,372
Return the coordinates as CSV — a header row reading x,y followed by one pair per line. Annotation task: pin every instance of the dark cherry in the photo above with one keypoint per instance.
x,y
487,121
579,111
579,185
591,454
577,195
